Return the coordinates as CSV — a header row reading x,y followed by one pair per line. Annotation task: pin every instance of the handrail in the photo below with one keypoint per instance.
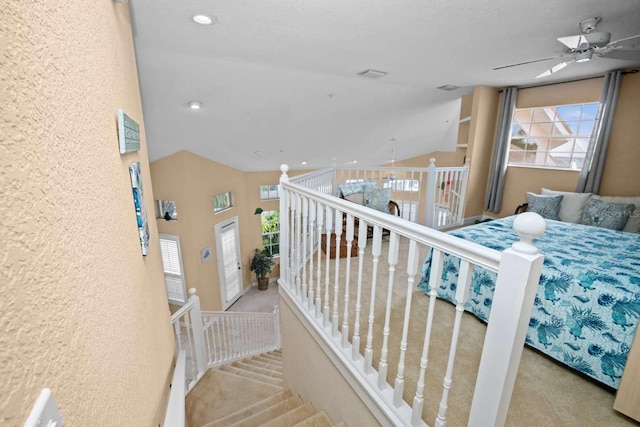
x,y
323,293
176,411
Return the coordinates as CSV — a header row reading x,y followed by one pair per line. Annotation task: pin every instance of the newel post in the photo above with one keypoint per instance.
x,y
516,287
198,333
284,226
432,175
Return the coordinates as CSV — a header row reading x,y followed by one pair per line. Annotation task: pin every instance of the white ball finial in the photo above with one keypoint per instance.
x,y
192,291
284,168
528,225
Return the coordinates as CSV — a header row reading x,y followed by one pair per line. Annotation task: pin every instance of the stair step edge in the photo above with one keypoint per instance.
x,y
250,410
319,419
293,416
269,413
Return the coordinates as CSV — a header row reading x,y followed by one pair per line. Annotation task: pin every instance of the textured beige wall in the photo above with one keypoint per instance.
x,y
484,110
82,311
622,175
310,373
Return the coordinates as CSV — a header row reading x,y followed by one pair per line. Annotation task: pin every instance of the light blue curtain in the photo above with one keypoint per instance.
x,y
593,167
493,198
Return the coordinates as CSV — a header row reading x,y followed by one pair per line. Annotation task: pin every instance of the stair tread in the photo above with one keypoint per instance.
x,y
263,365
250,410
319,419
258,369
252,375
267,360
269,413
272,357
292,417
341,424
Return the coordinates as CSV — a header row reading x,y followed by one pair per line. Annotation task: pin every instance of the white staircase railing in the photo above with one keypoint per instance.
x,y
433,196
209,338
339,301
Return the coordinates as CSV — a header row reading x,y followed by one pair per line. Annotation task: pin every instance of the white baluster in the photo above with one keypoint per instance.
x,y
328,227
284,225
435,278
345,316
375,251
393,260
430,219
336,281
312,224
297,243
303,255
362,245
413,261
462,294
320,227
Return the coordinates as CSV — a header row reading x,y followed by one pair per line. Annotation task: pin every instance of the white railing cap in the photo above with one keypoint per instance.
x,y
528,225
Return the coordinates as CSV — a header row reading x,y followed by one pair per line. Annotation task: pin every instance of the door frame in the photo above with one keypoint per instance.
x,y
219,255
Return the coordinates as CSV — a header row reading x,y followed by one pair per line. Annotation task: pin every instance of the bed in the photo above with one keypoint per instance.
x,y
588,300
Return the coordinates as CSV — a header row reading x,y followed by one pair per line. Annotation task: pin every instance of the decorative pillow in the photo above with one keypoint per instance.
x,y
546,206
613,216
355,198
349,188
633,224
377,198
572,205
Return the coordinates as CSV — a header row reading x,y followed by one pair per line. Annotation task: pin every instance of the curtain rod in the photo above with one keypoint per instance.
x,y
634,71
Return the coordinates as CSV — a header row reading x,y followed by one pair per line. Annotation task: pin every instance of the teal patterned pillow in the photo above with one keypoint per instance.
x,y
377,198
349,188
546,206
613,216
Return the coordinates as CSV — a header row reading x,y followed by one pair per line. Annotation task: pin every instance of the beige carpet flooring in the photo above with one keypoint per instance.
x,y
546,393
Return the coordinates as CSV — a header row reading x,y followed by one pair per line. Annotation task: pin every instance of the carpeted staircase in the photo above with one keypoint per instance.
x,y
250,393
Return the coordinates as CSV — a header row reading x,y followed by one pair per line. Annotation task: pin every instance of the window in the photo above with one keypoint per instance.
x,y
403,185
268,192
222,202
166,209
555,136
172,265
271,232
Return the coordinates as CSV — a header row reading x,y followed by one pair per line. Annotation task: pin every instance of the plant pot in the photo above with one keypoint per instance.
x,y
263,283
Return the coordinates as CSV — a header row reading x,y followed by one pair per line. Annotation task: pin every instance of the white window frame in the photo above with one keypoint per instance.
x,y
559,130
227,206
176,271
269,192
272,233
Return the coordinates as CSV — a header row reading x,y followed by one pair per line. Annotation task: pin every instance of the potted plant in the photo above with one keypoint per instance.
x,y
261,264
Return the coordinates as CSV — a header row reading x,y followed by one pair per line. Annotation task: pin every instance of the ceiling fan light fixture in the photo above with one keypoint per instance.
x,y
584,56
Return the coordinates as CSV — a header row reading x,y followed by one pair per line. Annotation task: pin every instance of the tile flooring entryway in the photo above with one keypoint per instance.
x,y
255,300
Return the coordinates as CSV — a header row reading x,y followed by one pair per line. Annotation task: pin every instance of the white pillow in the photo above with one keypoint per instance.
x,y
633,224
572,205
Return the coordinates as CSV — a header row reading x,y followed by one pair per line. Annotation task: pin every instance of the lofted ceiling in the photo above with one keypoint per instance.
x,y
278,80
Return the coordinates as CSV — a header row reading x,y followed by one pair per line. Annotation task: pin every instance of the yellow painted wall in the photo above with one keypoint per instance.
x,y
82,312
192,181
622,175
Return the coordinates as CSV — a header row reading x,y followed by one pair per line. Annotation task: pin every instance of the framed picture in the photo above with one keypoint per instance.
x,y
138,201
205,254
128,133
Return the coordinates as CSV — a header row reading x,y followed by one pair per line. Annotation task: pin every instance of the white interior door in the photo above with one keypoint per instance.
x,y
229,265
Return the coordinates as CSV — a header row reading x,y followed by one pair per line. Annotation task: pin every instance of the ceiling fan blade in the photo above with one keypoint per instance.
x,y
527,62
632,42
555,69
625,55
574,42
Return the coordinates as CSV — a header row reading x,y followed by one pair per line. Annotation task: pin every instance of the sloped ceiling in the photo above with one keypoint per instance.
x,y
278,80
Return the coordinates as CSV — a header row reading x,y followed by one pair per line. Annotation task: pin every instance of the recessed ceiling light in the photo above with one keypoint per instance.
x,y
195,105
203,19
304,162
355,161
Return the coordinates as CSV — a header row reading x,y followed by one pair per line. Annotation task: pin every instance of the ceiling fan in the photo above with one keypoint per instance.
x,y
583,47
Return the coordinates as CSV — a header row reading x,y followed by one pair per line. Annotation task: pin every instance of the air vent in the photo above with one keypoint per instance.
x,y
448,87
372,74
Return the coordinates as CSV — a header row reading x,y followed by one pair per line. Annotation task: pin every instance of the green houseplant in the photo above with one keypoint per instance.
x,y
261,264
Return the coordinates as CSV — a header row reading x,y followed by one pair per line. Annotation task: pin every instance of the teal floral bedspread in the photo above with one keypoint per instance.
x,y
588,300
